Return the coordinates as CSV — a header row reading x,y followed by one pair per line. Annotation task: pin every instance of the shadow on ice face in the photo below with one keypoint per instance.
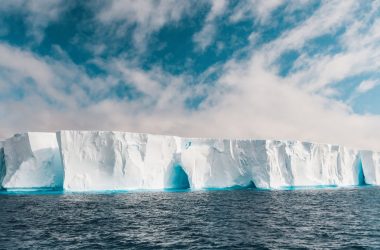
x,y
177,178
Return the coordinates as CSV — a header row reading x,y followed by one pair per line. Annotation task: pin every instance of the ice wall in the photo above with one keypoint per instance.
x,y
269,163
116,160
101,160
217,163
32,160
294,163
371,166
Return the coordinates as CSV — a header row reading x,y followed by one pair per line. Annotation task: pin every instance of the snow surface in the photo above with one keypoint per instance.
x,y
101,160
32,160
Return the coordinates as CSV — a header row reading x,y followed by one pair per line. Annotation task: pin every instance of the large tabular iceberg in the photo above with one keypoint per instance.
x,y
89,160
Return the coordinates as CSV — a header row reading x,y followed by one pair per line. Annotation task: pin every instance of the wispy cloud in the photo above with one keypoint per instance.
x,y
205,37
256,9
366,86
37,14
242,96
148,16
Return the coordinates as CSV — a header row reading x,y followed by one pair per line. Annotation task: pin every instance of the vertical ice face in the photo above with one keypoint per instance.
x,y
294,163
32,161
282,164
314,164
101,160
371,166
116,160
280,172
349,167
214,163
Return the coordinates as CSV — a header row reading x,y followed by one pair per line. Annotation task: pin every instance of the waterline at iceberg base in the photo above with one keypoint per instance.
x,y
105,161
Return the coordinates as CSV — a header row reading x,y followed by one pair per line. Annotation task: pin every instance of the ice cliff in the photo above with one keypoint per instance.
x,y
87,161
31,160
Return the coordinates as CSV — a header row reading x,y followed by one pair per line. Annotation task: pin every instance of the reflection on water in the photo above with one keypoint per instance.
x,y
320,218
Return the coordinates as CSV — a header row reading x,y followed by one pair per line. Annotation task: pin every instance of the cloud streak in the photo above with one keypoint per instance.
x,y
148,16
242,97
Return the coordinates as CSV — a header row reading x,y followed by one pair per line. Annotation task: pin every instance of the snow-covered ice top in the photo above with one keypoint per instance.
x,y
101,160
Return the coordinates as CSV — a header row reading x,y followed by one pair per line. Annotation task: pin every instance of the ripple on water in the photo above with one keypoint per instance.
x,y
319,218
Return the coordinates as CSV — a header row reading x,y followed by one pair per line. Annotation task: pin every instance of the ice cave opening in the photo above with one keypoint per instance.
x,y
178,178
361,177
251,185
2,166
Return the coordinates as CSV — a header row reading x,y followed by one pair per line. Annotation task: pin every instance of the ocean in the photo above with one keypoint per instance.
x,y
337,218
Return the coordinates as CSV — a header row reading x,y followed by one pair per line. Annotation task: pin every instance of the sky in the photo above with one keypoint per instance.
x,y
273,69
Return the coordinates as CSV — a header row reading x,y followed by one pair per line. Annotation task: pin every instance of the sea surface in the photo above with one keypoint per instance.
x,y
335,218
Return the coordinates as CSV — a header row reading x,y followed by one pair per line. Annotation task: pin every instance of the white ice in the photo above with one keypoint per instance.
x,y
101,160
32,160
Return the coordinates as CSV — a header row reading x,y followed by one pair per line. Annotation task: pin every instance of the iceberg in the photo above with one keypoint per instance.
x,y
106,160
32,160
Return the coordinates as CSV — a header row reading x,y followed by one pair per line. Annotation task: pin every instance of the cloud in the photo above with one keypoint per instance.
x,y
24,65
205,37
36,14
254,102
148,16
357,53
259,10
363,88
248,99
63,95
252,99
366,86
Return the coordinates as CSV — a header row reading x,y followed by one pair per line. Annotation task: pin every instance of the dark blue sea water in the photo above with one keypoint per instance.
x,y
225,219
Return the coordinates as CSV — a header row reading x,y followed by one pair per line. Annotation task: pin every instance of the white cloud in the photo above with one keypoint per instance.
x,y
77,97
326,20
366,86
149,16
317,73
260,10
254,102
24,65
249,100
38,14
205,37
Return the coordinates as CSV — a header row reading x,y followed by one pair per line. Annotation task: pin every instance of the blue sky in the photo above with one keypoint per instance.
x,y
298,69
